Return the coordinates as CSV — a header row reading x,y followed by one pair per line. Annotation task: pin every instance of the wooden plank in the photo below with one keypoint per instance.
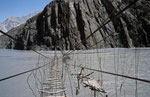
x,y
55,96
58,74
52,83
56,70
51,93
52,88
55,77
56,80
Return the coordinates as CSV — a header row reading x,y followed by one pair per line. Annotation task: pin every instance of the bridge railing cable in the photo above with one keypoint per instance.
x,y
21,43
110,73
18,74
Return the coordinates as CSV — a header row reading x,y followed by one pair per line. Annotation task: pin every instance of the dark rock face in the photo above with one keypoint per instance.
x,y
66,24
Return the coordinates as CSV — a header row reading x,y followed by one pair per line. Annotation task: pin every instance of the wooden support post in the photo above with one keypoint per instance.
x,y
94,93
78,84
65,94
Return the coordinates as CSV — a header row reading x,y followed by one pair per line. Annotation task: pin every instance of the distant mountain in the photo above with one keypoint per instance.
x,y
12,22
2,27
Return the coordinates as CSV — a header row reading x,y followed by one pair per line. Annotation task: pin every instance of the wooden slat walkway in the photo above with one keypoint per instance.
x,y
53,87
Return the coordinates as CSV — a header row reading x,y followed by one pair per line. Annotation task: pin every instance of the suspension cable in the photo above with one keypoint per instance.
x,y
15,75
110,73
21,43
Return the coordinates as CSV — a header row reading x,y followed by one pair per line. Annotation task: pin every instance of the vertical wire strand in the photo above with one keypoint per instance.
x,y
30,85
116,93
136,72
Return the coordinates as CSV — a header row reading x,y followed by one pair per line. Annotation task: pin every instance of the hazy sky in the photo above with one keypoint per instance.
x,y
20,8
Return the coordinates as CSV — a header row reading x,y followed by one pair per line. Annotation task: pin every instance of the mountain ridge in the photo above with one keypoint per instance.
x,y
12,21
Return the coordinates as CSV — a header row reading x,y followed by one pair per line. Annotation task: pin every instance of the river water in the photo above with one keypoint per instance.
x,y
129,62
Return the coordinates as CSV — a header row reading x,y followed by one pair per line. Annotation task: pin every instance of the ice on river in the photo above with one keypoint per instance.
x,y
130,62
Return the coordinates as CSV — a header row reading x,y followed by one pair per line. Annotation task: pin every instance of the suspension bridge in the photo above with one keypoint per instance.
x,y
85,67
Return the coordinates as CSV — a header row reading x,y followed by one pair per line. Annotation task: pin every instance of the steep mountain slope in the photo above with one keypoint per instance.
x,y
2,27
67,24
12,22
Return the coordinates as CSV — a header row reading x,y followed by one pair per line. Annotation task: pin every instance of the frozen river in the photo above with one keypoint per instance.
x,y
130,62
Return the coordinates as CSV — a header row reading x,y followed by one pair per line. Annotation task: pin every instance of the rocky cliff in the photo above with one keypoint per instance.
x,y
66,23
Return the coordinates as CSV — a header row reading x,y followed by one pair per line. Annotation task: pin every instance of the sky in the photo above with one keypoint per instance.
x,y
20,8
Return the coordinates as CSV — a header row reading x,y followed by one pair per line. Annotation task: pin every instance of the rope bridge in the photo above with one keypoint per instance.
x,y
66,65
